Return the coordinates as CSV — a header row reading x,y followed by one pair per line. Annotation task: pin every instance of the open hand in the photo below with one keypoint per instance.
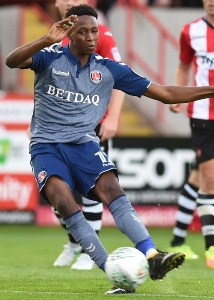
x,y
62,29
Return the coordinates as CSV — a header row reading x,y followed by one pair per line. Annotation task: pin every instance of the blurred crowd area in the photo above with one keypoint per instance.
x,y
176,3
106,5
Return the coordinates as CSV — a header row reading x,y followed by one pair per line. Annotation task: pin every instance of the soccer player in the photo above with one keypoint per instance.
x,y
106,129
197,47
73,88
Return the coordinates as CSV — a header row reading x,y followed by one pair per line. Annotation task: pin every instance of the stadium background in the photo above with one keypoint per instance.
x,y
152,150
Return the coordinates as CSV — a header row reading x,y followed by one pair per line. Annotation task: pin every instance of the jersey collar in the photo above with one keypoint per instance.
x,y
205,20
72,57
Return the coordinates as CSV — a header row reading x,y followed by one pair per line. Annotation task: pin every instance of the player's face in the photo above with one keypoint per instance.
x,y
64,5
209,7
85,35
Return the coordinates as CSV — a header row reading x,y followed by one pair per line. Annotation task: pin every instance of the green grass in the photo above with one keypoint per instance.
x,y
27,254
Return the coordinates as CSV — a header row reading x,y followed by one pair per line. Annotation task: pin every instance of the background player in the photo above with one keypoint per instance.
x,y
197,47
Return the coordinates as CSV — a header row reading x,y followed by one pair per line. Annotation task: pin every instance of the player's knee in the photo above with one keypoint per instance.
x,y
60,202
109,192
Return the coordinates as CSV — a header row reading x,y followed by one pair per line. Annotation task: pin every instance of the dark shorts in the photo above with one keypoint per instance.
x,y
79,166
104,147
203,139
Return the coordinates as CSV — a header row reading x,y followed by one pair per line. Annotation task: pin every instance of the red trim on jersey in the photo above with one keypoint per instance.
x,y
210,40
211,108
210,48
186,56
190,109
186,51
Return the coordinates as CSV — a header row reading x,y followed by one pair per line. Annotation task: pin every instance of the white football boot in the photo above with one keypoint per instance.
x,y
83,262
70,251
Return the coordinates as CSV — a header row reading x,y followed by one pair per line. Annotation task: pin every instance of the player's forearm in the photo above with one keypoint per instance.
x,y
21,56
115,106
178,94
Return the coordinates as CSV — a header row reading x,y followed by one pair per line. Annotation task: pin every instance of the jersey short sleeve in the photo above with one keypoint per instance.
x,y
43,58
186,52
39,62
127,80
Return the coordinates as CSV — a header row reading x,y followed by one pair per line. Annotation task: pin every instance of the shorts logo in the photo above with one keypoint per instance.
x,y
41,176
96,76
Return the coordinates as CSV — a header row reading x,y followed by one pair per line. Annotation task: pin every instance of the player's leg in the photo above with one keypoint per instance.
x,y
70,250
99,181
92,211
184,215
203,140
129,222
56,181
60,196
205,207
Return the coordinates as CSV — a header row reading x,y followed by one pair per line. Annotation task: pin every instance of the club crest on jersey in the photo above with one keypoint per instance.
x,y
41,176
96,76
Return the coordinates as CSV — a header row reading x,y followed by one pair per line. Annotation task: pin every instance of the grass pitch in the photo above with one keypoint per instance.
x,y
27,254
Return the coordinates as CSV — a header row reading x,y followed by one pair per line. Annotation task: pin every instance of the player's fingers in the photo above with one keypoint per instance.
x,y
68,22
71,23
65,26
175,108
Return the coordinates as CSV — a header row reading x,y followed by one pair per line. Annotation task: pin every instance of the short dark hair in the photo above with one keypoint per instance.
x,y
82,10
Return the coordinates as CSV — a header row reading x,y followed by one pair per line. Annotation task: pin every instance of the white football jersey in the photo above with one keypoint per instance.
x,y
197,46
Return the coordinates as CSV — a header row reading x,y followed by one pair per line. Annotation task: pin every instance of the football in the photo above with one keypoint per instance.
x,y
127,268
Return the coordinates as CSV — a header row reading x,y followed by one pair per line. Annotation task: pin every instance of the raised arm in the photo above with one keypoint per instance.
x,y
21,57
178,94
